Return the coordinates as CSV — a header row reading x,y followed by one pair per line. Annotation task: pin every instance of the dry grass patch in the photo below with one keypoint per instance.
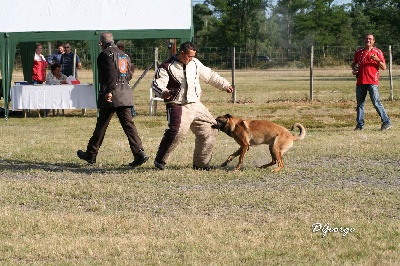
x,y
57,210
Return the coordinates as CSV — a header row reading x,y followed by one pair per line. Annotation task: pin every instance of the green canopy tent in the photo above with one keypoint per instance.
x,y
84,20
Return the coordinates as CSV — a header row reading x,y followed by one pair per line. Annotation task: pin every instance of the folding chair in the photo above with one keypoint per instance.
x,y
153,103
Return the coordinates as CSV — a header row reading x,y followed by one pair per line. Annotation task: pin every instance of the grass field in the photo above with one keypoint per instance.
x,y
344,185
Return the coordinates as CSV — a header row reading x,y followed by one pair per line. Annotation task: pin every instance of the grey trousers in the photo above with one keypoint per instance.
x,y
181,118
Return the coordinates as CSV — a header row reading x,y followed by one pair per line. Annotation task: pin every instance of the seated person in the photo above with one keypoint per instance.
x,y
55,77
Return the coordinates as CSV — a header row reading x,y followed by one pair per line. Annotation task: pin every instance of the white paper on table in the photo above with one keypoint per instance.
x,y
70,79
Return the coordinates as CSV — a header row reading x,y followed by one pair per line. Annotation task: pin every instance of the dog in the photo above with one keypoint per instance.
x,y
255,132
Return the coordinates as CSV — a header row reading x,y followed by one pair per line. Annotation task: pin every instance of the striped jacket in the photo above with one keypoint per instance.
x,y
184,80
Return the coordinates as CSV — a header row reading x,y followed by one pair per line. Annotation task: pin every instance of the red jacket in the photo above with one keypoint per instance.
x,y
368,72
39,70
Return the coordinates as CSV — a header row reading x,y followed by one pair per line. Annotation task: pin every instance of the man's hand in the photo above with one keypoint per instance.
x,y
166,94
381,64
108,97
229,89
375,57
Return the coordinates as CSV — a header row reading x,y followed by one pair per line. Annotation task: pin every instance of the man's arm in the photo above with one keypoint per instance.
x,y
108,73
50,59
78,62
379,60
377,55
160,82
213,78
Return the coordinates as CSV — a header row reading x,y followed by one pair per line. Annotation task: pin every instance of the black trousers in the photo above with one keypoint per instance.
x,y
125,118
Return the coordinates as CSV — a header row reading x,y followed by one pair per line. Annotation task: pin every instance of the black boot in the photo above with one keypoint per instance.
x,y
84,156
140,158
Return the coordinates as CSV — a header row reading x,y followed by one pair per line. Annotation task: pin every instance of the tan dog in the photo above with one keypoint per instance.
x,y
255,132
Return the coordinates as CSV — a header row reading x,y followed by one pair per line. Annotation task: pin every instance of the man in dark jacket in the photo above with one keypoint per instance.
x,y
115,96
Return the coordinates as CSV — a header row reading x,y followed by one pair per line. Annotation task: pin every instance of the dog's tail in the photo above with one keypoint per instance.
x,y
302,131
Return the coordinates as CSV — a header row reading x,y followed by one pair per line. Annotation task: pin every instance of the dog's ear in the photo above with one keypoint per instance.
x,y
228,116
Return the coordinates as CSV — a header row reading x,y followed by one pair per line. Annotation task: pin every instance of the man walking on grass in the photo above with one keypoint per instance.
x,y
115,96
366,64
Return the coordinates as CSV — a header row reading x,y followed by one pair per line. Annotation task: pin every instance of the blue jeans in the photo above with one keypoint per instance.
x,y
361,94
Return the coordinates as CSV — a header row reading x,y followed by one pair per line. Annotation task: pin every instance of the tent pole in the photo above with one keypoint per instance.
x,y
7,78
74,65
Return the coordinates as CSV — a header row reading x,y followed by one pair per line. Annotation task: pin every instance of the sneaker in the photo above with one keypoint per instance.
x,y
160,166
140,158
358,128
84,156
386,126
204,168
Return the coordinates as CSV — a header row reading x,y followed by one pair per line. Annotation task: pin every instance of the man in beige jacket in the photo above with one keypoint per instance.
x,y
177,81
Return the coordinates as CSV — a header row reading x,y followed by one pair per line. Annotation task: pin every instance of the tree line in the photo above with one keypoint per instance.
x,y
255,25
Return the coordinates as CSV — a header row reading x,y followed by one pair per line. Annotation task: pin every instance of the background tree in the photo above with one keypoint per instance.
x,y
285,11
202,19
323,24
380,17
237,21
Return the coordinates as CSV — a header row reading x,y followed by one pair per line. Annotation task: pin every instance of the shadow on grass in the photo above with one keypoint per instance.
x,y
82,168
23,166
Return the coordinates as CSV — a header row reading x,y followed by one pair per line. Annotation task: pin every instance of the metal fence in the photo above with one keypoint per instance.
x,y
221,57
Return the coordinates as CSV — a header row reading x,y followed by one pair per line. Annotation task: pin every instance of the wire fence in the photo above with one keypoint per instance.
x,y
329,56
221,57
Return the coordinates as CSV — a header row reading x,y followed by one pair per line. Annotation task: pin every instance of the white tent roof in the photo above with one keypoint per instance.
x,y
72,15
28,21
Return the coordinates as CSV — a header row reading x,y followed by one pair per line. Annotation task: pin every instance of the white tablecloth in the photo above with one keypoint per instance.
x,y
80,96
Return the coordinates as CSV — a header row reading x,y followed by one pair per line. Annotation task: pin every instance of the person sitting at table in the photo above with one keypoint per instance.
x,y
55,77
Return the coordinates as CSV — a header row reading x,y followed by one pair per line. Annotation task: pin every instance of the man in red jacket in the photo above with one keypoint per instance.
x,y
366,64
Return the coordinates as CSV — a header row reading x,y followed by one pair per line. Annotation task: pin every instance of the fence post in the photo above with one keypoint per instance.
x,y
311,72
233,76
155,58
390,73
49,47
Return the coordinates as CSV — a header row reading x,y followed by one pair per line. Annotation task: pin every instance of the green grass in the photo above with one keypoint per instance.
x,y
57,210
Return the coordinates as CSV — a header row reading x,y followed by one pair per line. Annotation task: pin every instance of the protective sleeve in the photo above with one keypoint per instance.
x,y
211,77
160,81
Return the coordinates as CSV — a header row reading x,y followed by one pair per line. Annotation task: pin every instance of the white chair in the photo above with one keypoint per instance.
x,y
153,103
